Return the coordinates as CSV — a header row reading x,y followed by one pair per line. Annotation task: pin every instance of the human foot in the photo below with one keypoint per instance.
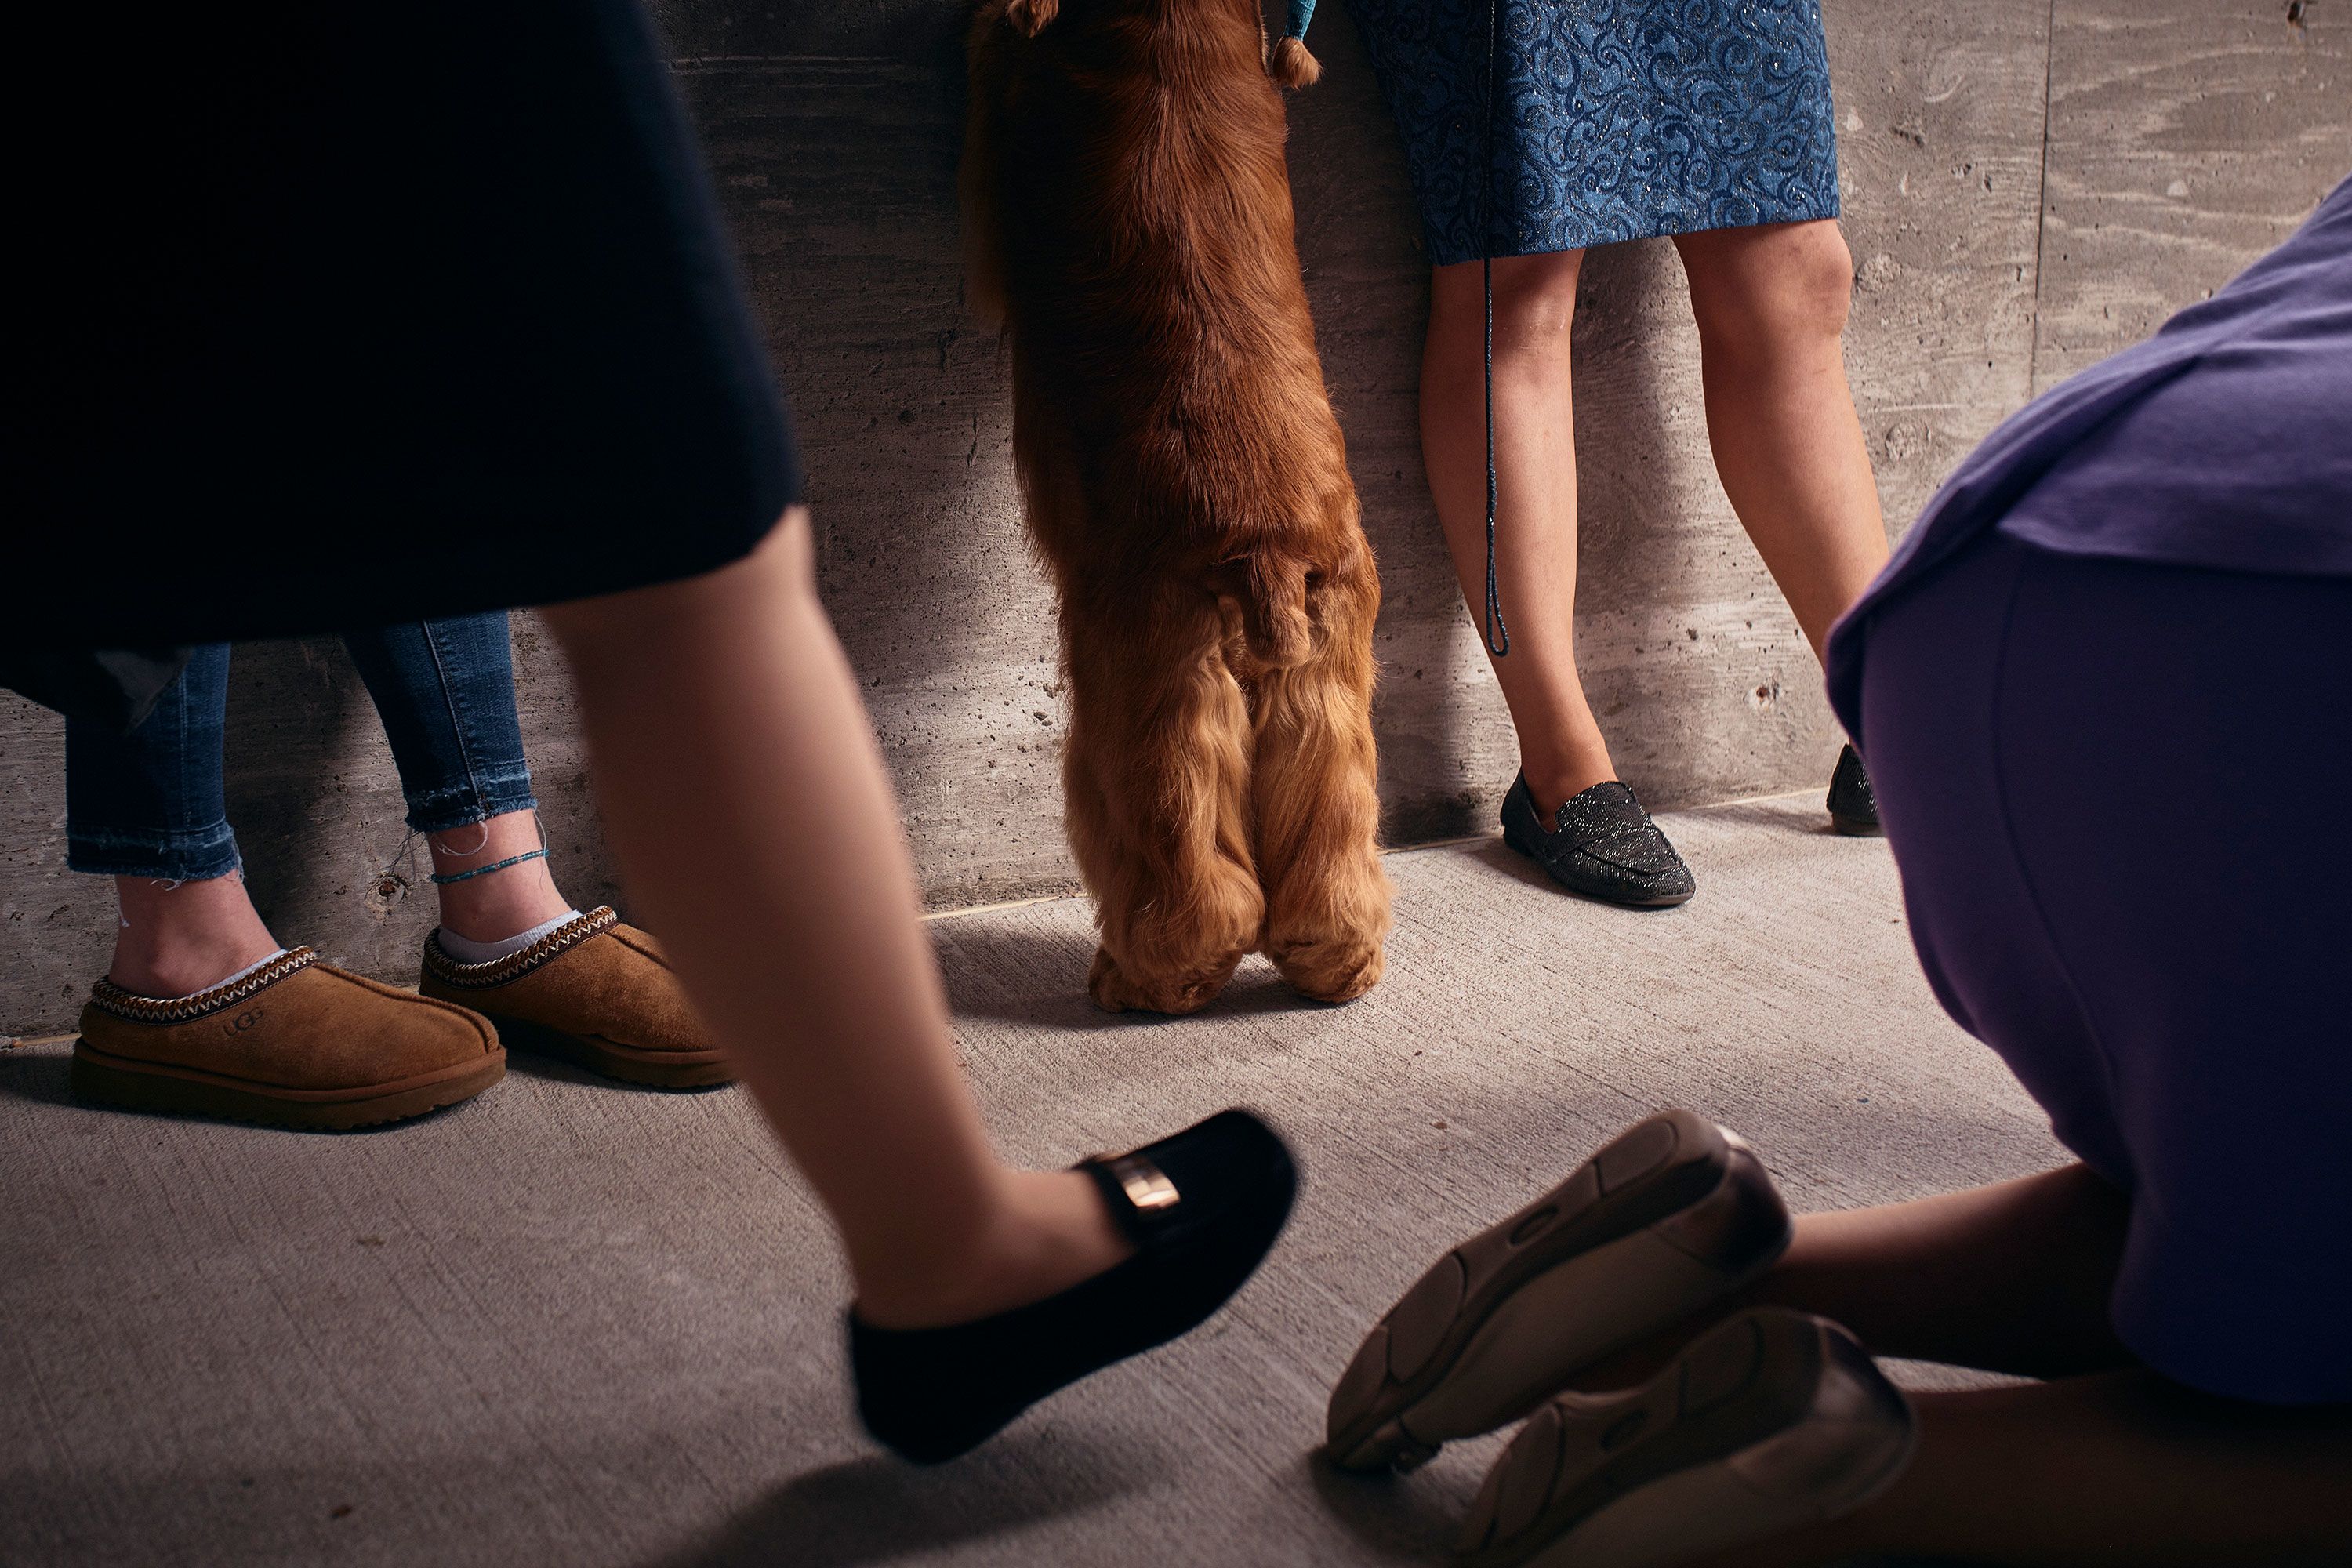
x,y
1853,809
296,1043
1769,1422
593,992
1201,1210
1600,844
1672,1215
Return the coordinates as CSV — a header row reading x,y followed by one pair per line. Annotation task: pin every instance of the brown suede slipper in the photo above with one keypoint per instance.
x,y
1770,1421
297,1042
593,992
1672,1213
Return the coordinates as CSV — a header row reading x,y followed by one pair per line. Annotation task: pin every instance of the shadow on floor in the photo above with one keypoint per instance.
x,y
1498,856
1039,979
39,1075
877,1509
1801,813
1398,1517
45,1077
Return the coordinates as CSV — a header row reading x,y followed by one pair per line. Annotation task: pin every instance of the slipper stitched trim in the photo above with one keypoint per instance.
x,y
163,1010
499,970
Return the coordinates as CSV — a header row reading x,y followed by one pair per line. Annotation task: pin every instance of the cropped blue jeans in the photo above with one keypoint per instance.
x,y
150,803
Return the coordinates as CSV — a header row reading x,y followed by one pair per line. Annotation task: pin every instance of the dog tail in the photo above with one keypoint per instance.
x,y
1292,65
1267,594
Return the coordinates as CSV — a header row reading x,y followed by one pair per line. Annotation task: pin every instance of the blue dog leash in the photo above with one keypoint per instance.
x,y
1497,634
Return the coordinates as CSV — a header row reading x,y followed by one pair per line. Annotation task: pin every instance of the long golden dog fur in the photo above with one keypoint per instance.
x,y
1127,214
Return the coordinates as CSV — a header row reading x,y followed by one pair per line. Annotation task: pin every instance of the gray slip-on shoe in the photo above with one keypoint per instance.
x,y
1767,1423
1673,1214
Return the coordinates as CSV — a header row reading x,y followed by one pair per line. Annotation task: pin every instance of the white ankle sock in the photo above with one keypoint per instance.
x,y
467,951
232,979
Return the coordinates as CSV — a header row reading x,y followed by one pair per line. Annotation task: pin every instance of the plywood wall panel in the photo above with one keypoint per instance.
x,y
2184,137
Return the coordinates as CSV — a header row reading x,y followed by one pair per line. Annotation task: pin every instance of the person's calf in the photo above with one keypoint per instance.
x,y
2118,1470
2011,1277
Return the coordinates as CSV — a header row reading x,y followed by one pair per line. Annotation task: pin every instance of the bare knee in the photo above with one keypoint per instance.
x,y
1769,290
1535,307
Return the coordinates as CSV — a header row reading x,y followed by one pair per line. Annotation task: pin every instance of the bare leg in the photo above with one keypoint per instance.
x,y
495,905
175,937
747,802
2011,1277
172,939
2119,1469
1771,305
1560,746
2111,1464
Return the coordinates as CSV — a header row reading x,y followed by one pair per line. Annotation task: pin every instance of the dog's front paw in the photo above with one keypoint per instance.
x,y
1115,992
1032,17
1334,969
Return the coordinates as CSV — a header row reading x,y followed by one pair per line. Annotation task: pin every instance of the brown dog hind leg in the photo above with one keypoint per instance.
x,y
1314,789
1156,773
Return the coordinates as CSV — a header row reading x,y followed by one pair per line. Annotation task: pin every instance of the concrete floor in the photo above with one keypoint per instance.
x,y
571,1323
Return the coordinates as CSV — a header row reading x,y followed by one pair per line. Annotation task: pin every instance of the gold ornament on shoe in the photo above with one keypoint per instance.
x,y
499,970
1146,1185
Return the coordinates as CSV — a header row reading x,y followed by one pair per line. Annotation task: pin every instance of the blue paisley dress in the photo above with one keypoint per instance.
x,y
1614,120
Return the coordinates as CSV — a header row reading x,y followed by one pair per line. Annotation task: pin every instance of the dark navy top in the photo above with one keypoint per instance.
x,y
2225,441
344,315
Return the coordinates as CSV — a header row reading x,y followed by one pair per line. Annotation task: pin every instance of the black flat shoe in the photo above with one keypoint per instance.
x,y
1203,1208
1854,810
1602,844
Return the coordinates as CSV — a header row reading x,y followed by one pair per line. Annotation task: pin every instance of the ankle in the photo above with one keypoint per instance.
x,y
175,939
1044,1232
184,968
502,884
1554,781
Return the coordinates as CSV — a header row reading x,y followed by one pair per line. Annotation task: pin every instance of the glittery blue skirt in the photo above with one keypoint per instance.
x,y
1612,120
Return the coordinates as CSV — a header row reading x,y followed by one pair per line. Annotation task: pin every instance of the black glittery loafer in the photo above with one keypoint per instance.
x,y
1854,810
1767,1423
1673,1214
1202,1208
1602,844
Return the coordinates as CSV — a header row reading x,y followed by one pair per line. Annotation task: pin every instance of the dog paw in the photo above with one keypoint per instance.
x,y
1115,992
1338,969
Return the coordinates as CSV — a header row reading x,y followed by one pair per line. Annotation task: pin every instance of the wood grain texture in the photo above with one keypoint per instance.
x,y
2187,137
574,1324
831,132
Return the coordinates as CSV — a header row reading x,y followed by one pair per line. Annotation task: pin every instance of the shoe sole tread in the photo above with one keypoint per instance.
x,y
1487,1311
